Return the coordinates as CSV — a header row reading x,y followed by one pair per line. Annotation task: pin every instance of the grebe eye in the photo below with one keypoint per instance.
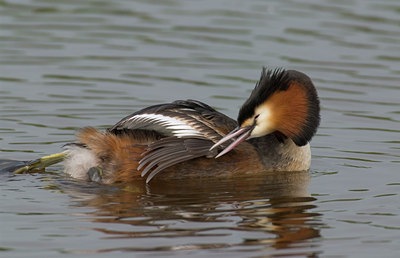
x,y
256,116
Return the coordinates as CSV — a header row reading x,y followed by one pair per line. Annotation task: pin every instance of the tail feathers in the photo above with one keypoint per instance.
x,y
116,155
41,163
105,146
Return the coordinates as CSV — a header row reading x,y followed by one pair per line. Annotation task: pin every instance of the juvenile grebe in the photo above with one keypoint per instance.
x,y
184,138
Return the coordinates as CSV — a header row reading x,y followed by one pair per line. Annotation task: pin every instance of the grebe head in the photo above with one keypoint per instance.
x,y
284,102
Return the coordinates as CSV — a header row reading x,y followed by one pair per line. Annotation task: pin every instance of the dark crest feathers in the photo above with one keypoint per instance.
x,y
270,82
279,80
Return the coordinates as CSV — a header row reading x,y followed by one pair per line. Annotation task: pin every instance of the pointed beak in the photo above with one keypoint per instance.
x,y
242,133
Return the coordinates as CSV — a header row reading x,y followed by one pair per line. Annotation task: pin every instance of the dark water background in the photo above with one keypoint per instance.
x,y
68,64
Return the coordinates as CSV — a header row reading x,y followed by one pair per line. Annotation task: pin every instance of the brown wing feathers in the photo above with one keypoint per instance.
x,y
197,127
170,151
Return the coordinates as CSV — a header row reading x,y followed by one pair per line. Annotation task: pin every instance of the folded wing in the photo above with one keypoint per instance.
x,y
185,129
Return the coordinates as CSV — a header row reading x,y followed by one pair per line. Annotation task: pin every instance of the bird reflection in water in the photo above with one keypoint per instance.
x,y
274,207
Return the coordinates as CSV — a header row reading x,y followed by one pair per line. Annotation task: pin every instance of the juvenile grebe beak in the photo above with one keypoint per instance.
x,y
242,132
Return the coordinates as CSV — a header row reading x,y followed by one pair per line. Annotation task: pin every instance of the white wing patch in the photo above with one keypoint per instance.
x,y
162,123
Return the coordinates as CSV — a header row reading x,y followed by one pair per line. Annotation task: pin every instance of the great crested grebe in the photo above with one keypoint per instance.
x,y
191,139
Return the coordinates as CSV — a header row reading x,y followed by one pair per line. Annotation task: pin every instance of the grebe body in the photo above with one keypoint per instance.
x,y
191,139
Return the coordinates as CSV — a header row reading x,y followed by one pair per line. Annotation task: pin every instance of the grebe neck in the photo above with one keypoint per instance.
x,y
282,154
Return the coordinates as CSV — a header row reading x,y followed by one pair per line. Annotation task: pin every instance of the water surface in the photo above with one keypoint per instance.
x,y
69,64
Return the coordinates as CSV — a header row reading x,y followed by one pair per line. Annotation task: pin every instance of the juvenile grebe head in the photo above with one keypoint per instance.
x,y
282,102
